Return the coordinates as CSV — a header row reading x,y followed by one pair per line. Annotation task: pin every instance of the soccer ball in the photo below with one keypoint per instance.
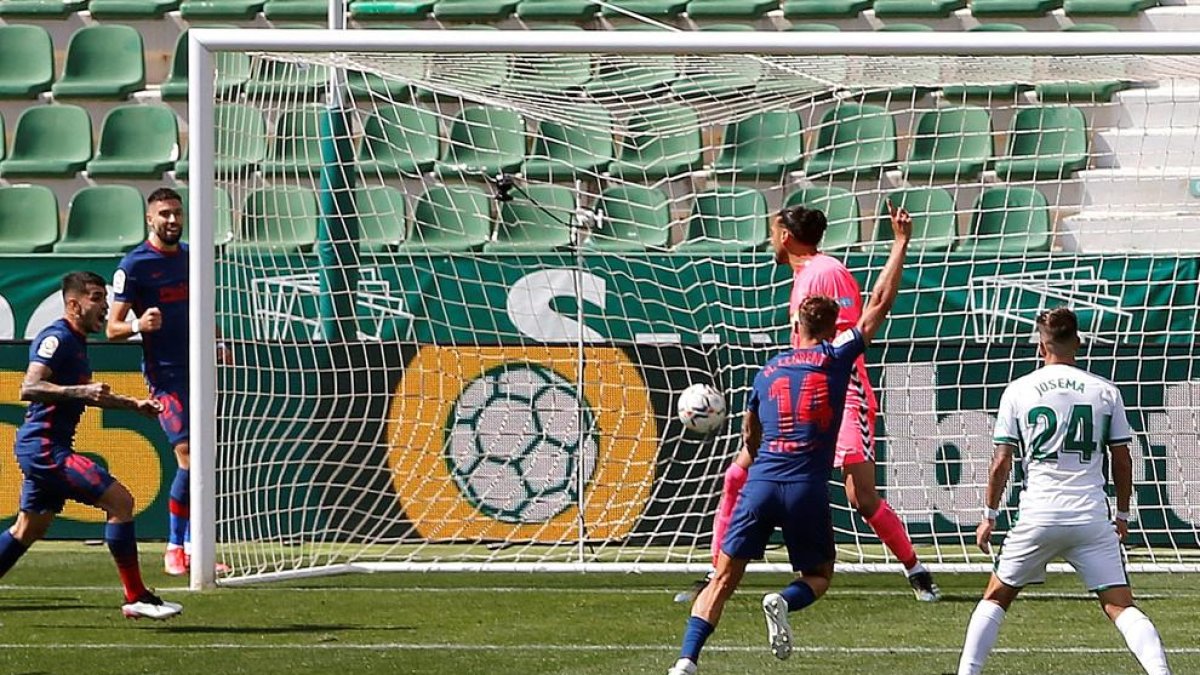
x,y
702,408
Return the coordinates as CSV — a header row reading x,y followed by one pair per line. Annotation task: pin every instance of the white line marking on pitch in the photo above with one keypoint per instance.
x,y
417,646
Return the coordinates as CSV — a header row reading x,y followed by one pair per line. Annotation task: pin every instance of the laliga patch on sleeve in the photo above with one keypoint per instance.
x,y
119,281
844,337
48,347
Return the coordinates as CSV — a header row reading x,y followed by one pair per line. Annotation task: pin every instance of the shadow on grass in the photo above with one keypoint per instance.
x,y
295,628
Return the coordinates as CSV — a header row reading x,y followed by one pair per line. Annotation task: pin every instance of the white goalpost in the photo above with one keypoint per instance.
x,y
464,274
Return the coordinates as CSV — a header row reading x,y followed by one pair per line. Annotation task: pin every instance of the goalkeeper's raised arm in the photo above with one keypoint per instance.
x,y
883,295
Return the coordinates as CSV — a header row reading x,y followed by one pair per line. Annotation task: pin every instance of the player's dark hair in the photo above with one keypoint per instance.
x,y
163,194
76,283
817,316
1058,327
805,224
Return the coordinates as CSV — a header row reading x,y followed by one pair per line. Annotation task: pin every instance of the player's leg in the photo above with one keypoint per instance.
x,y
1096,557
172,394
15,541
735,478
984,626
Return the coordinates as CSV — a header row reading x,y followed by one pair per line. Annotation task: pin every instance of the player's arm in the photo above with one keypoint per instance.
x,y
887,287
997,480
119,329
752,432
37,387
1121,461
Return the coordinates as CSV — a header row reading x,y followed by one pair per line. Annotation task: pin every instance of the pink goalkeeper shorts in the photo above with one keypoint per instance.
x,y
856,439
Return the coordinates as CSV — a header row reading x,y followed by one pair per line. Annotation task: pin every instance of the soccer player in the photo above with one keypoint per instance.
x,y
795,235
152,280
58,383
1064,418
793,418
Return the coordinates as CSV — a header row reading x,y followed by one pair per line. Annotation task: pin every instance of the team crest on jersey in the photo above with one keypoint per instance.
x,y
119,281
843,337
48,347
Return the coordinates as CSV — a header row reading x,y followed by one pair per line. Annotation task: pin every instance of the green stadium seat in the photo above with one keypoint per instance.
x,y
998,28
1091,91
364,86
730,9
485,141
391,10
905,28
297,145
537,220
223,228
824,9
281,219
104,219
480,71
556,10
814,28
233,69
659,9
726,220
295,10
106,10
1107,7
568,151
450,219
632,218
619,76
854,140
28,219
243,131
984,8
721,74
40,9
136,141
50,141
840,207
1091,28
26,61
220,10
662,140
546,73
399,140
765,145
933,9
381,215
283,78
474,10
935,225
950,143
1010,221
1046,142
103,61
1018,70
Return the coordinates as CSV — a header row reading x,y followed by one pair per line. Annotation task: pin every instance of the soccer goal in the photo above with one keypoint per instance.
x,y
463,276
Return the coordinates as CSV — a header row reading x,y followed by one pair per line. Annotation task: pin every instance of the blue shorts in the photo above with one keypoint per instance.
x,y
799,508
172,392
49,484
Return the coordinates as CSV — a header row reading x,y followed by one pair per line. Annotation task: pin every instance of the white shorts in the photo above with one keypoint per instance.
x,y
1092,549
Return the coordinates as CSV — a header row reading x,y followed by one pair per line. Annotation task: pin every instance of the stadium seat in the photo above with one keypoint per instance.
x,y
284,78
485,141
49,140
103,61
824,9
136,141
1046,142
998,27
296,10
631,218
220,10
365,86
1010,220
730,9
26,61
223,227
840,207
106,10
537,220
765,145
1017,71
450,219
659,9
726,220
296,148
814,28
854,140
556,10
243,132
40,9
399,140
935,225
390,10
720,75
1086,92
474,10
104,219
662,140
618,75
568,151
28,219
233,69
929,9
281,219
550,72
381,215
950,143
986,8
473,72
1107,7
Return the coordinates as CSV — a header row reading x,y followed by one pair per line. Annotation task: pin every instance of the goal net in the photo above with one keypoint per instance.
x,y
461,306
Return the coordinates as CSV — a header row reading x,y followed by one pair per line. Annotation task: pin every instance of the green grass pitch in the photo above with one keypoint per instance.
x,y
59,610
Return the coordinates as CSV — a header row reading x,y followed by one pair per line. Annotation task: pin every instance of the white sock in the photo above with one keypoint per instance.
x,y
1143,640
981,636
916,569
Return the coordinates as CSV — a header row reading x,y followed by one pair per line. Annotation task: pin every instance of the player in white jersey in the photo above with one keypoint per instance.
x,y
1064,419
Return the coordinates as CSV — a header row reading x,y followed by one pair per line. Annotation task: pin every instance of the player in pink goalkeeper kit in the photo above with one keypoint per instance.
x,y
795,235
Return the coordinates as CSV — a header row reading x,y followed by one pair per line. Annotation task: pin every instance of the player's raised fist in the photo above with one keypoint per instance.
x,y
150,320
94,391
149,407
902,224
